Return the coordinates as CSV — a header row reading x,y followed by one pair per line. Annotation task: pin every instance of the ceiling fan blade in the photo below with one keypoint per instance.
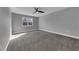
x,y
36,8
34,12
41,11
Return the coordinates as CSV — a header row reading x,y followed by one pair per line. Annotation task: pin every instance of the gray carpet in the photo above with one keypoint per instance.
x,y
43,41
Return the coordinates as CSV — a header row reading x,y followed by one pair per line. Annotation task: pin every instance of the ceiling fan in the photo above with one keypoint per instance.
x,y
37,10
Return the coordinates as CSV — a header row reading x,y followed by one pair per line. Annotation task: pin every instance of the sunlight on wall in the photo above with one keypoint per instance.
x,y
16,36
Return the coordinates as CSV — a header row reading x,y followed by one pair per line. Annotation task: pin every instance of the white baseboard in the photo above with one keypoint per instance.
x,y
61,34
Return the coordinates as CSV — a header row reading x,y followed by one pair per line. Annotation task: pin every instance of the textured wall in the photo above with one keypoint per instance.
x,y
65,22
17,24
4,27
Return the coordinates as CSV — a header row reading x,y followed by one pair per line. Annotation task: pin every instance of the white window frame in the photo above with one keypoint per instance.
x,y
27,20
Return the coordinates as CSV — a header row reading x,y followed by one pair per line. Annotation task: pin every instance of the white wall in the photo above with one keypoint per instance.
x,y
4,27
17,23
65,22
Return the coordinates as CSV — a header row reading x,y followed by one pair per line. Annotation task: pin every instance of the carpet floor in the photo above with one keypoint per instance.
x,y
43,41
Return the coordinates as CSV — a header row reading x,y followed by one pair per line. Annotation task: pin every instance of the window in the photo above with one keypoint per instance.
x,y
27,21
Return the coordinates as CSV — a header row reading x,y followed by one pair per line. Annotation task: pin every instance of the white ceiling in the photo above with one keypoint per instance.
x,y
29,10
